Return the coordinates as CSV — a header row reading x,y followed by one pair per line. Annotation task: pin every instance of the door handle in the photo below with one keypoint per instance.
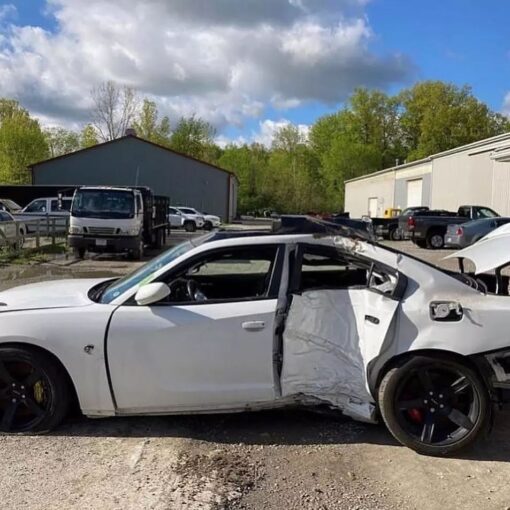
x,y
253,325
372,319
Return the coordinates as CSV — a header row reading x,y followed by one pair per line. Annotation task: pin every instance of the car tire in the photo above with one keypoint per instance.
x,y
208,225
79,253
35,392
435,240
428,420
394,234
137,253
190,226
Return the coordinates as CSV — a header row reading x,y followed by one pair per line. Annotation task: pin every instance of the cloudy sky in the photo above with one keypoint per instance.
x,y
247,66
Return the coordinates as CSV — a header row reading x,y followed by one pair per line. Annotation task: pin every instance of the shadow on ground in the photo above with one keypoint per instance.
x,y
288,427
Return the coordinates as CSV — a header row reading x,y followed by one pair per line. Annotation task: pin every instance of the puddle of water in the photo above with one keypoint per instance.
x,y
12,276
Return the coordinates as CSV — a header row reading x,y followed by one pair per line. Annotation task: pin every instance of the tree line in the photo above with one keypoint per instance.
x,y
297,173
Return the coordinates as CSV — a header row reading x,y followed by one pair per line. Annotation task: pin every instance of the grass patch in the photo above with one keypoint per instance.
x,y
31,255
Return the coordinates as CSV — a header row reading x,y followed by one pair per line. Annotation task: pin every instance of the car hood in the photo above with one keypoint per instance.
x,y
50,294
487,254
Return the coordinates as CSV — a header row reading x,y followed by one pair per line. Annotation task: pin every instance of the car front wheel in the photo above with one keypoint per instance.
x,y
434,406
34,392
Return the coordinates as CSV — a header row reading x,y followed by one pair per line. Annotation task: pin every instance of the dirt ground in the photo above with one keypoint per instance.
x,y
268,460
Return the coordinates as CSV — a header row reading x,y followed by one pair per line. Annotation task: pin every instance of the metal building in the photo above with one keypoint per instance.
x,y
133,161
474,174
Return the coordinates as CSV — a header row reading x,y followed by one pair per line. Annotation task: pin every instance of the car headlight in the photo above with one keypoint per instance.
x,y
75,230
130,231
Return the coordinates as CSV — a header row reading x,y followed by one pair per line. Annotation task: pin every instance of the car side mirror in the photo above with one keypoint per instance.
x,y
152,293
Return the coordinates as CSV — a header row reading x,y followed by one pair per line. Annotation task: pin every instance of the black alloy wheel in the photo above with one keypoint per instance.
x,y
34,394
434,406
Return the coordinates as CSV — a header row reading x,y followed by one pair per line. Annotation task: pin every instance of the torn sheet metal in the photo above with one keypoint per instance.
x,y
322,356
487,254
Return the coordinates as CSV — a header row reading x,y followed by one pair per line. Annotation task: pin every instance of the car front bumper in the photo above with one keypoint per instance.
x,y
97,244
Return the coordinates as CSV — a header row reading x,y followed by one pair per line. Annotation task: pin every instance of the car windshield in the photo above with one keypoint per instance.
x,y
10,204
99,203
146,272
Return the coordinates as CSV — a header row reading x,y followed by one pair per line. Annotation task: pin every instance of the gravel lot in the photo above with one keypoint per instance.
x,y
269,460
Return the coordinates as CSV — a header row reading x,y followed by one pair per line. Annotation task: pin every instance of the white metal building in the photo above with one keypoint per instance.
x,y
474,174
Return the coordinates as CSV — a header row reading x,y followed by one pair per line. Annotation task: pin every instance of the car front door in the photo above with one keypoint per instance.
x,y
214,351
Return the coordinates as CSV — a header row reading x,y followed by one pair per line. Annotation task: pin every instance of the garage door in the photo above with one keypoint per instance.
x,y
372,207
414,192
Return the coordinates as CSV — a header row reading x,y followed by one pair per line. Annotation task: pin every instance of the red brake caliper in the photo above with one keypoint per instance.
x,y
416,415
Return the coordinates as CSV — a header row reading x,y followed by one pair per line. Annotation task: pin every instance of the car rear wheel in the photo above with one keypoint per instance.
x,y
395,234
34,392
435,240
435,406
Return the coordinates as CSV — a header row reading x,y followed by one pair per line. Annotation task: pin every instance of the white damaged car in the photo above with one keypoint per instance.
x,y
231,322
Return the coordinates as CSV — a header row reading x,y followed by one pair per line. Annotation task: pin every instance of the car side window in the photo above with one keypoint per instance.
x,y
225,275
36,206
54,206
325,268
5,217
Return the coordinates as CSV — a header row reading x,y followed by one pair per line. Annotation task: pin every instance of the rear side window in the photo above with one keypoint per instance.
x,y
5,217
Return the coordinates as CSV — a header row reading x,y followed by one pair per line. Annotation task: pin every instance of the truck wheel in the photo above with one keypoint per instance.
x,y
435,240
137,253
434,405
190,226
79,253
394,234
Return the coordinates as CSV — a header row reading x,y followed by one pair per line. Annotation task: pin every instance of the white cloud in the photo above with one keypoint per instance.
x,y
7,11
268,128
224,60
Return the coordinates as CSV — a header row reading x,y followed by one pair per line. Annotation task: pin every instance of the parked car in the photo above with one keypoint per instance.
x,y
390,226
6,204
428,228
225,323
53,205
460,236
210,220
178,218
12,233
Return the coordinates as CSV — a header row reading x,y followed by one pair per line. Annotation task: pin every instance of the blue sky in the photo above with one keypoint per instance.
x,y
247,69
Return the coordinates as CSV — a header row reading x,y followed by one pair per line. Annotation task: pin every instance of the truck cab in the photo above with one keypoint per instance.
x,y
107,219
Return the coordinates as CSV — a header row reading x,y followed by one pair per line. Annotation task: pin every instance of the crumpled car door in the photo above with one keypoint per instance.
x,y
330,338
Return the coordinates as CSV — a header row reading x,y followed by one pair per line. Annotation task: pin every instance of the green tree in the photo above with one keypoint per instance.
x,y
193,136
88,137
438,116
149,126
22,142
61,141
250,164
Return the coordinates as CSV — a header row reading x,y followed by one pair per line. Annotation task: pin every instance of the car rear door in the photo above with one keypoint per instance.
x,y
337,324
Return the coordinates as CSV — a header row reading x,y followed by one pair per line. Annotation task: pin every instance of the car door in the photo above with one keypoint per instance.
x,y
213,353
341,309
7,228
175,218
